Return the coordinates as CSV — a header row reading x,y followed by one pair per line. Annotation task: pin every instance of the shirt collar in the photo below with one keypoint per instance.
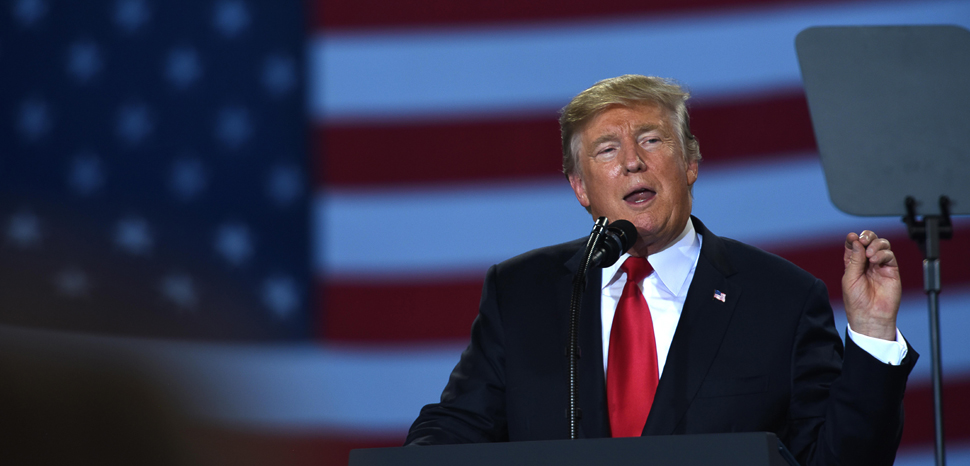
x,y
672,264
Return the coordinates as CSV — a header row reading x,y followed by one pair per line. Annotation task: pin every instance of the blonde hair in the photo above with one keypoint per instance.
x,y
627,90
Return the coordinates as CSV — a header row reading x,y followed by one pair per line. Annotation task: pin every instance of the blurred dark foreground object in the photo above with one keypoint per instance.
x,y
61,406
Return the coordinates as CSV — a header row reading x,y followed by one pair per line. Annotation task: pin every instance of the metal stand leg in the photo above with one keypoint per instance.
x,y
928,232
934,302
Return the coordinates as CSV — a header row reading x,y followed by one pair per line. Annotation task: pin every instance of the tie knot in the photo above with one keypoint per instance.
x,y
636,268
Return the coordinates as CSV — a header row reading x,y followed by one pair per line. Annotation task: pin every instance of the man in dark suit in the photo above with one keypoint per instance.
x,y
738,339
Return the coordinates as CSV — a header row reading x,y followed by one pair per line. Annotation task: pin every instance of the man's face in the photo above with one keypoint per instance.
x,y
631,167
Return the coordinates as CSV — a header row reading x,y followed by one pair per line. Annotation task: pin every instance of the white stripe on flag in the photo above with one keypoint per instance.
x,y
465,229
957,454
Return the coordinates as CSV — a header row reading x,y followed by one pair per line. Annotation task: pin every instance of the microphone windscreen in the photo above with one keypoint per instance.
x,y
626,232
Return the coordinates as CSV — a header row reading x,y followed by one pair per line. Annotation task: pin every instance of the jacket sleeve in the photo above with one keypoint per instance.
x,y
844,410
472,407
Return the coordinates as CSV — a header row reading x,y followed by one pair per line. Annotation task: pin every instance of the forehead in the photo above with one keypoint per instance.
x,y
618,119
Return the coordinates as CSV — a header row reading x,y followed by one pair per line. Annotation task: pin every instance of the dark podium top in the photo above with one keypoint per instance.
x,y
741,449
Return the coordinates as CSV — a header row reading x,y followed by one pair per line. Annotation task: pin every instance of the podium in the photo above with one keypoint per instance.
x,y
740,449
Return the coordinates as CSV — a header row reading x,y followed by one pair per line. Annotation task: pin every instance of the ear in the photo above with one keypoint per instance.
x,y
579,188
691,173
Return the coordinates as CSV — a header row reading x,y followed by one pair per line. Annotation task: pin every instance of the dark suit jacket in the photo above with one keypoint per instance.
x,y
768,358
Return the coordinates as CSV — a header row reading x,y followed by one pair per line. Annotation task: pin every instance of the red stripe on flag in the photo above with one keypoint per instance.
x,y
438,152
825,261
918,403
380,13
752,127
385,153
399,312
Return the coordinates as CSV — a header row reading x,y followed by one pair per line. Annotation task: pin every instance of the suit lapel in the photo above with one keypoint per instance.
x,y
592,384
701,328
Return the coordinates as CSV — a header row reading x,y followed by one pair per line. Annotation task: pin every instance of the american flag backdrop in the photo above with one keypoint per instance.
x,y
285,210
154,168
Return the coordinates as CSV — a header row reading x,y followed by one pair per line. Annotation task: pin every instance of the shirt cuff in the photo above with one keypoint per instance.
x,y
889,352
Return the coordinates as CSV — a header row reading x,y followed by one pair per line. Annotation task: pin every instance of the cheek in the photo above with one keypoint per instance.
x,y
613,170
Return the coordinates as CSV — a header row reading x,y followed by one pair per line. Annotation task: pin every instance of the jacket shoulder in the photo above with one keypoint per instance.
x,y
750,260
543,258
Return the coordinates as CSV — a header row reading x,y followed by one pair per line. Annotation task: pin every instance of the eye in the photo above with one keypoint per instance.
x,y
605,152
650,141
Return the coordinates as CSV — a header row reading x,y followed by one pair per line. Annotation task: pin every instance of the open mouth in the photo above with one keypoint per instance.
x,y
639,196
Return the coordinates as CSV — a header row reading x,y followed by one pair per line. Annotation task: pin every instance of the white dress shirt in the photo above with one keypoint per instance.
x,y
665,290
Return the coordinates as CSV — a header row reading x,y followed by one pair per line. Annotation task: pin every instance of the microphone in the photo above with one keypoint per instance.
x,y
603,248
618,238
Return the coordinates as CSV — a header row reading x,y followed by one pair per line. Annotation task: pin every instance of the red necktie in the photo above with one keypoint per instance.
x,y
631,371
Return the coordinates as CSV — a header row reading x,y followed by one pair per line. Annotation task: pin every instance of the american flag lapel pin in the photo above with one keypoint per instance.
x,y
719,296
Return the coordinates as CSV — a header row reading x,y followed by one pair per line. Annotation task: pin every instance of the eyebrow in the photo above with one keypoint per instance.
x,y
613,137
647,128
605,138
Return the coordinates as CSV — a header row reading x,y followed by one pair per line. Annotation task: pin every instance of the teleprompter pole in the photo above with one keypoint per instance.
x,y
928,232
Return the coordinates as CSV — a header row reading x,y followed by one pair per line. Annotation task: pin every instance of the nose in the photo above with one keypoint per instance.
x,y
632,159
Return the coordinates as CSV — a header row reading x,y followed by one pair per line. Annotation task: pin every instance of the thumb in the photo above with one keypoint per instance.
x,y
855,256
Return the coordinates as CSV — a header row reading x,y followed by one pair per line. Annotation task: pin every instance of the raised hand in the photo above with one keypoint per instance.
x,y
871,288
